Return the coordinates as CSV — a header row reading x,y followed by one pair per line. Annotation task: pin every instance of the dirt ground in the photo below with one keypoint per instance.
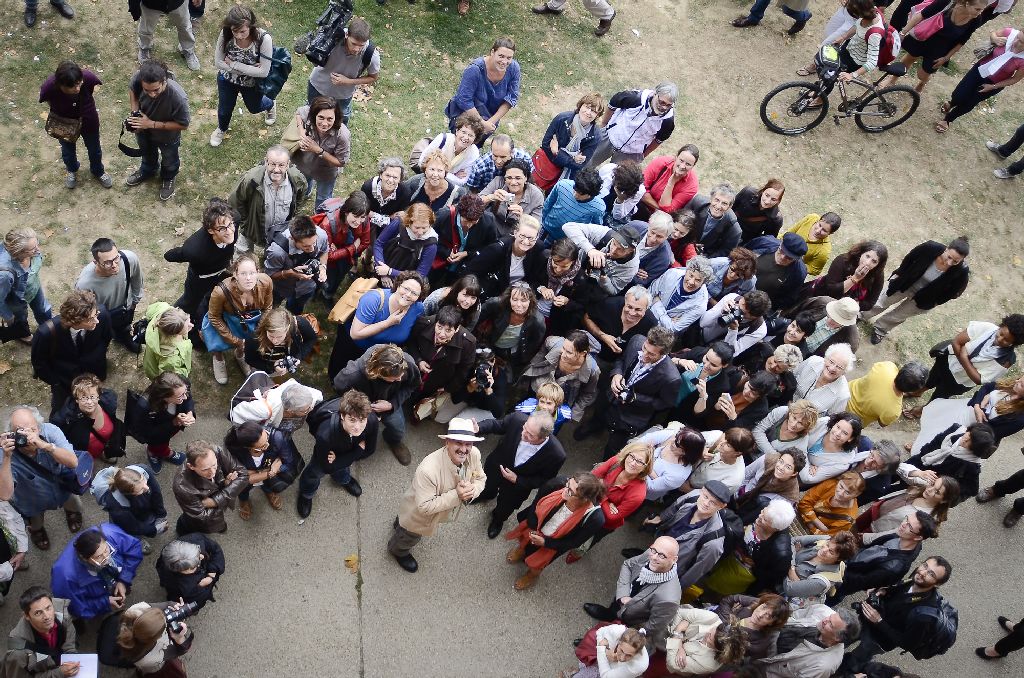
x,y
900,187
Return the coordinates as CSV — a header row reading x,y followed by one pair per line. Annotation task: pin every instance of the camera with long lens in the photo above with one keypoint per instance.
x,y
174,615
330,30
482,371
733,315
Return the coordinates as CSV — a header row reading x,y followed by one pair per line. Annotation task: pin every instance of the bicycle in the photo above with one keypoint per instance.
x,y
788,108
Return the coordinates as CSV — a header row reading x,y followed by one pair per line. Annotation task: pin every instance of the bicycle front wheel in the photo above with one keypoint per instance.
x,y
887,108
787,108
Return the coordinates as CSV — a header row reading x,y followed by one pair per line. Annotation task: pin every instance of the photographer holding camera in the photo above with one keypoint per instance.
x,y
297,263
152,638
737,320
354,60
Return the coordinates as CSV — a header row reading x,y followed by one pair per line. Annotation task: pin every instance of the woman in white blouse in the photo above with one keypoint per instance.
x,y
823,380
621,653
676,451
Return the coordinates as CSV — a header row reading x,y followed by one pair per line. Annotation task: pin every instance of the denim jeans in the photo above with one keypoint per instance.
x,y
345,104
297,304
795,15
309,481
162,156
757,11
336,271
227,95
393,425
324,190
69,154
41,309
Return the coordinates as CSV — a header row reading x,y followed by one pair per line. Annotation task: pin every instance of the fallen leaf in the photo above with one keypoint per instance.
x,y
351,562
179,231
1017,260
48,232
5,367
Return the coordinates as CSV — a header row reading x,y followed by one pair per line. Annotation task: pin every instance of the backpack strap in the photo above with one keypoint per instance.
x,y
367,57
127,275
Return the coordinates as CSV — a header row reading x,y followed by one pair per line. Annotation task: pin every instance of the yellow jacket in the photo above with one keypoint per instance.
x,y
817,252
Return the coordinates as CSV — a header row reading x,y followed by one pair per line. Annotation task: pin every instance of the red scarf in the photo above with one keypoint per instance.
x,y
540,558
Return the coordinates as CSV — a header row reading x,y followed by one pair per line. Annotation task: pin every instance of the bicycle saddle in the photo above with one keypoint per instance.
x,y
896,69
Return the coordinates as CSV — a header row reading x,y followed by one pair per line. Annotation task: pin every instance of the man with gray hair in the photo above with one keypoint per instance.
x,y
486,166
284,406
611,260
636,122
680,296
189,568
526,457
39,453
812,642
718,229
654,251
616,320
267,197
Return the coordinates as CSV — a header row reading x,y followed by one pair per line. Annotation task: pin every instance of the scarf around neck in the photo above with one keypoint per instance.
x,y
649,576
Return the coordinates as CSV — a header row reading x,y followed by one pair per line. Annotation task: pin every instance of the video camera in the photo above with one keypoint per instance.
x,y
482,371
330,30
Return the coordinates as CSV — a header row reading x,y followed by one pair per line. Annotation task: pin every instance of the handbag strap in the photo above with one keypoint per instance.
x,y
227,297
39,468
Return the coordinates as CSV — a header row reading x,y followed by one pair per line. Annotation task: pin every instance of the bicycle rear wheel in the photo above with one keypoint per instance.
x,y
887,108
786,109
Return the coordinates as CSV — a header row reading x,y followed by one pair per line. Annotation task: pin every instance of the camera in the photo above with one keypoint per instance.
x,y
733,315
175,615
626,396
289,363
312,267
20,439
330,30
482,371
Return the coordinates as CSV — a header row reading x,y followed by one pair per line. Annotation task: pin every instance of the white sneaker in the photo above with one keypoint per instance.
x,y
216,138
270,117
220,370
191,61
1002,174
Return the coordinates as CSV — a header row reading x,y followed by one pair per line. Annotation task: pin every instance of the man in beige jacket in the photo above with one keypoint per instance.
x,y
446,480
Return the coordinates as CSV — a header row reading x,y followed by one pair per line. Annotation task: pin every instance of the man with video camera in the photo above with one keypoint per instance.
x,y
297,263
353,61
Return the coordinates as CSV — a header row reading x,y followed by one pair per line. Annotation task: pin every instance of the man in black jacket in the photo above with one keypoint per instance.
x,y
644,382
345,430
885,561
462,232
443,350
895,616
723,231
71,344
513,258
526,457
930,275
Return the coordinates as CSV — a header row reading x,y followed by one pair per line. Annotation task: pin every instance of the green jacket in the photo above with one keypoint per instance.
x,y
247,198
175,356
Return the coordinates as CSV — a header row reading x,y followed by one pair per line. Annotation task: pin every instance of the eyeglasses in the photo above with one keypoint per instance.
x,y
110,263
635,459
569,491
526,238
656,552
106,558
87,399
225,228
907,524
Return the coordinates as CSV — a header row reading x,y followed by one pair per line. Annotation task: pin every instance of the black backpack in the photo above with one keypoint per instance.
x,y
321,413
942,619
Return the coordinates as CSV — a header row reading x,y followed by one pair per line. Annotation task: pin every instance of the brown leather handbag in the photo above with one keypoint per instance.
x,y
63,129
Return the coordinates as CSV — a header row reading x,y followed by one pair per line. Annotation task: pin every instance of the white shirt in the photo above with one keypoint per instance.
x,y
525,451
554,522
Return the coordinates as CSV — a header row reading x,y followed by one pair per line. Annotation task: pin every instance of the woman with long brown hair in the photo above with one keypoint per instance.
x,y
859,274
757,210
150,643
1000,404
885,515
281,343
236,307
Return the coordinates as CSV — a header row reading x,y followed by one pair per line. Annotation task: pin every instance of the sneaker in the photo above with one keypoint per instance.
x,y
1002,174
217,137
220,370
166,189
994,147
155,463
106,181
270,117
71,180
135,178
147,548
191,60
876,337
177,458
145,55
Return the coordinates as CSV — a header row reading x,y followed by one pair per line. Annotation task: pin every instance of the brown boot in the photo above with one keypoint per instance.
x,y
604,26
245,510
516,554
401,452
527,580
275,501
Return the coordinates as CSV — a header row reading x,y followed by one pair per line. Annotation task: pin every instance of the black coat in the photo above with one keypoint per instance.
x,y
57,360
726,382
201,254
490,266
325,425
656,391
753,220
281,447
723,237
537,470
484,233
868,569
77,426
401,201
772,558
494,320
303,340
450,369
946,287
187,585
151,425
140,516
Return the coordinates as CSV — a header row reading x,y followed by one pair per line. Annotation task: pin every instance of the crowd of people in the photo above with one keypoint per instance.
x,y
504,293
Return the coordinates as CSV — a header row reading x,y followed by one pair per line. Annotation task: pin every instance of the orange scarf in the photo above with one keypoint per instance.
x,y
540,558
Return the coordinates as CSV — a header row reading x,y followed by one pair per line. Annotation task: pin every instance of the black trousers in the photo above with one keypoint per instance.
x,y
966,95
509,497
1010,147
1011,485
941,379
1012,641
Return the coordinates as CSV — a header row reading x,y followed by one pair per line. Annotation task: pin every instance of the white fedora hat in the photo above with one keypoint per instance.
x,y
461,429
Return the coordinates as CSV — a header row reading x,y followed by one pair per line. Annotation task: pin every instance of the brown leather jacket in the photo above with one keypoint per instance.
x,y
190,489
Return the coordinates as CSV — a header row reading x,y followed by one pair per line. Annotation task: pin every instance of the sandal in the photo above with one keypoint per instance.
x,y
245,510
944,107
912,413
942,127
74,519
804,72
275,501
40,538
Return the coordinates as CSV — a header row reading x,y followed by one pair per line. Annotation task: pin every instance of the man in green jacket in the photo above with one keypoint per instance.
x,y
266,196
40,637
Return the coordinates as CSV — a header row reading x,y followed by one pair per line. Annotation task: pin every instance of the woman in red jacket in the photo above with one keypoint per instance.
x,y
625,477
671,182
348,235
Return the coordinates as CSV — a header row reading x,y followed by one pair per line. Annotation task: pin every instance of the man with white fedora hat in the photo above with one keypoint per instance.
x,y
445,481
836,323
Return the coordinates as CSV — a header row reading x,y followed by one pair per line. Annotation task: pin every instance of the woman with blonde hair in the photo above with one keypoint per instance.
x,y
134,502
282,341
89,419
625,479
408,243
168,348
20,288
236,306
150,644
786,426
432,188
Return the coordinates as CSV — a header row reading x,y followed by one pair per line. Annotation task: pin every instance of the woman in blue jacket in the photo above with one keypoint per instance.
x,y
96,570
570,141
489,87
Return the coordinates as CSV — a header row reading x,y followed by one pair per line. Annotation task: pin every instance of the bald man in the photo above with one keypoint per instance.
x,y
648,591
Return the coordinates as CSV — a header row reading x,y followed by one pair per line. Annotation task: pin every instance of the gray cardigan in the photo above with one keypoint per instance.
x,y
580,387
